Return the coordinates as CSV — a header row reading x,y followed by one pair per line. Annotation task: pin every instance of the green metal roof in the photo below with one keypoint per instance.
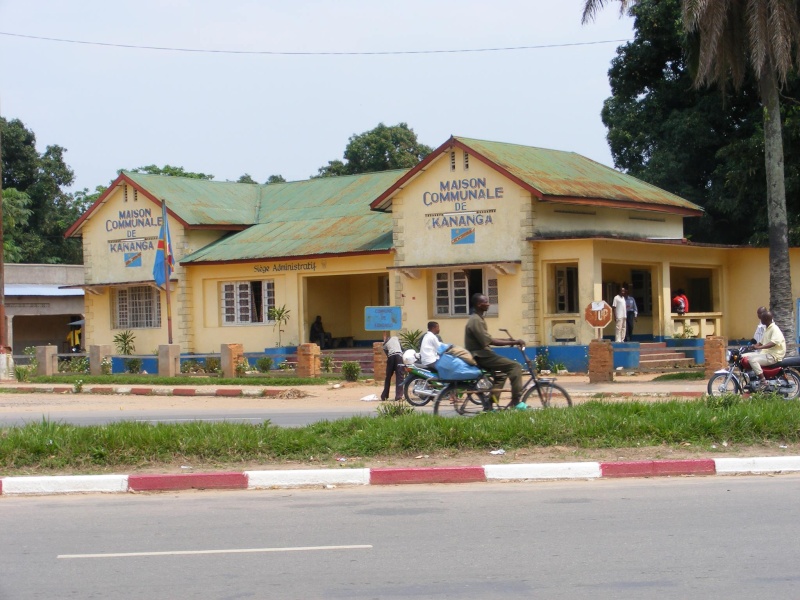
x,y
329,215
556,174
203,202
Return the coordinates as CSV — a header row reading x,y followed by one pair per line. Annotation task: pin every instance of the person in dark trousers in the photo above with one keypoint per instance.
x,y
394,366
633,314
477,340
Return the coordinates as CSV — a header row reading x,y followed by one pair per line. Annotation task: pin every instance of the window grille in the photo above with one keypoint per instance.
x,y
452,160
466,161
137,308
454,288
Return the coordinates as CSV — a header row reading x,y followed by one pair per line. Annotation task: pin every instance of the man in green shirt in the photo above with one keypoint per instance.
x,y
477,340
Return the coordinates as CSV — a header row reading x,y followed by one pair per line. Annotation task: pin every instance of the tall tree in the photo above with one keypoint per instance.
x,y
726,40
41,179
379,149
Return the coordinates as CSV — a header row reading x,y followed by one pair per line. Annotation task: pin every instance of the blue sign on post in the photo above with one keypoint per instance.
x,y
383,318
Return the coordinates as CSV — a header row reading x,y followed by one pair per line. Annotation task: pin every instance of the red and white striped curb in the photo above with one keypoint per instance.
x,y
253,480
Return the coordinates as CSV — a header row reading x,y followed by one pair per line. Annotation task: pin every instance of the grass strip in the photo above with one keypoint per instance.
x,y
54,446
134,380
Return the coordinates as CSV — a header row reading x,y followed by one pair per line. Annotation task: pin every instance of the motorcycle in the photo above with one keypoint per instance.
x,y
739,377
421,385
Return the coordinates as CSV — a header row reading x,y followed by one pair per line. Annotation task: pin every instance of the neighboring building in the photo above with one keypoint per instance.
x,y
543,233
39,311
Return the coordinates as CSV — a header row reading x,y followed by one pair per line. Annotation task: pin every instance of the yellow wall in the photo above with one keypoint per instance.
x,y
570,218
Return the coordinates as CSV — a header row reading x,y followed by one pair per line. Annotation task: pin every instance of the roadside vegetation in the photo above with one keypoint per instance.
x,y
276,380
52,447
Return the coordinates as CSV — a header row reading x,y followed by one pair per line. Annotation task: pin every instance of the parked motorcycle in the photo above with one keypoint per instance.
x,y
739,377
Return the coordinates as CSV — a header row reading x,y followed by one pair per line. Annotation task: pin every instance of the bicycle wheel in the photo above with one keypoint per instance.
x,y
451,401
721,384
549,394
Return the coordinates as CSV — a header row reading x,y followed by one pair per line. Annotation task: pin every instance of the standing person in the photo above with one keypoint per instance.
x,y
620,314
394,366
770,350
760,328
429,347
631,314
477,340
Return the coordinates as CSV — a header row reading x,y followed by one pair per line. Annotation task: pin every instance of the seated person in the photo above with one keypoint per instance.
x,y
319,336
770,350
429,348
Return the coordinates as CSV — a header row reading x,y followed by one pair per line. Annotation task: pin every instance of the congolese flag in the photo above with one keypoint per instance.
x,y
160,274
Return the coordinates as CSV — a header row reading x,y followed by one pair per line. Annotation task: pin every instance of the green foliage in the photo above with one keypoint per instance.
x,y
380,149
133,365
22,372
124,342
77,386
279,314
351,370
687,333
106,365
241,367
542,360
326,363
171,171
30,352
411,339
212,364
704,146
50,445
39,210
191,366
74,364
264,364
275,179
394,408
724,401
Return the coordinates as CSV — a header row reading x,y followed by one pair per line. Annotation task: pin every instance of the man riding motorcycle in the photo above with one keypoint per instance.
x,y
772,348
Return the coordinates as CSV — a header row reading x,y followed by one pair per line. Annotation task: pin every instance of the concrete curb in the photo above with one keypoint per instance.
x,y
252,480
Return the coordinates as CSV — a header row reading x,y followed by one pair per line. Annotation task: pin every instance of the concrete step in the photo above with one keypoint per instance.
x,y
666,362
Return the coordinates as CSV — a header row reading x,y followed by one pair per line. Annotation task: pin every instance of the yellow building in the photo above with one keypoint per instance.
x,y
543,233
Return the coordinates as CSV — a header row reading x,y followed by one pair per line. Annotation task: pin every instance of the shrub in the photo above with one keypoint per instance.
x,y
30,352
542,360
133,365
22,372
191,366
242,366
124,342
105,365
212,364
351,370
264,364
326,363
75,364
394,409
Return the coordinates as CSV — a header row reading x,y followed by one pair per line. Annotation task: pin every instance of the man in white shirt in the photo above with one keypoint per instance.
x,y
620,314
429,347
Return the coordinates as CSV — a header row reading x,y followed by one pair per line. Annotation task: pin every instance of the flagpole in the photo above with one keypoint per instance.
x,y
167,257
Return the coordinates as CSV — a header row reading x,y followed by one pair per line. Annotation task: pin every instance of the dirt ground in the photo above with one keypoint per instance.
x,y
351,395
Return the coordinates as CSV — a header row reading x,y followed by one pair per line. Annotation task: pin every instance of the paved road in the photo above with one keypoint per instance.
x,y
733,538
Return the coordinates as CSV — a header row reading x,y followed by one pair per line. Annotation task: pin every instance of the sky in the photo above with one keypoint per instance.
x,y
228,113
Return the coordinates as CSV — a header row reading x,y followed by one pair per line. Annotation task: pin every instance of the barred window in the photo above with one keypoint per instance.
x,y
454,288
247,302
137,308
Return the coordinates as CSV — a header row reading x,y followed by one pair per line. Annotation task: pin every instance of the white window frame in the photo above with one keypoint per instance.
x,y
237,302
451,292
136,307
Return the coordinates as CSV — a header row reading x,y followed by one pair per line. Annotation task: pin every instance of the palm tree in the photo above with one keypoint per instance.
x,y
725,39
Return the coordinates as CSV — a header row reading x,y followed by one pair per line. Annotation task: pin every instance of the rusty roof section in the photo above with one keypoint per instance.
x,y
556,176
318,217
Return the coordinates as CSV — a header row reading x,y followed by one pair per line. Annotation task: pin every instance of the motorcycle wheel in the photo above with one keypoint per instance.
x,y
717,386
410,391
793,391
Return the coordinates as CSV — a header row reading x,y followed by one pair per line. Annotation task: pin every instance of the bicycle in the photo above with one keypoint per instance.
x,y
454,395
